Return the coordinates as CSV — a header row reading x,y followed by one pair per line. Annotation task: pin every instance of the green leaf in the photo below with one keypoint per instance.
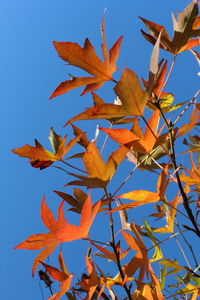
x,y
174,107
157,250
171,264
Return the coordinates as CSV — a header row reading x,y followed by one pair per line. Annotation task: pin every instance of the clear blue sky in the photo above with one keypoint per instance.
x,y
30,71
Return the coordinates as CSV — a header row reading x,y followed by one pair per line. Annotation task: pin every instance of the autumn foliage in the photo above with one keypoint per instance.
x,y
143,134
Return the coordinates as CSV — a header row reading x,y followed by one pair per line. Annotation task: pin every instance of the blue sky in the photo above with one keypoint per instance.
x,y
30,71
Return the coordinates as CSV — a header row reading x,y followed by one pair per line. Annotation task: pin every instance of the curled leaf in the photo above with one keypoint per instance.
x,y
42,158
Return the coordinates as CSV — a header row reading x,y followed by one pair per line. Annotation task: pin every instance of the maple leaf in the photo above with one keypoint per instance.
x,y
194,145
107,281
111,255
194,121
99,173
160,149
141,197
156,84
87,59
60,231
116,120
132,96
185,29
42,158
156,80
134,139
76,202
102,280
89,283
151,291
194,174
197,56
63,276
83,141
140,260
170,216
157,286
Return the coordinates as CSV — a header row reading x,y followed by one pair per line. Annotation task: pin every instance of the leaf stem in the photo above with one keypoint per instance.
x,y
168,75
105,140
71,166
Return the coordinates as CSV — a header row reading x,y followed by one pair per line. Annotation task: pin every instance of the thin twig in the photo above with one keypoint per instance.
x,y
117,254
168,75
125,180
181,293
71,166
129,176
170,175
166,239
173,159
98,242
186,108
189,246
182,251
105,140
62,169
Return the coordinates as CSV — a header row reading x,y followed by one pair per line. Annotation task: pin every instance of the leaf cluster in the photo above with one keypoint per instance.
x,y
144,133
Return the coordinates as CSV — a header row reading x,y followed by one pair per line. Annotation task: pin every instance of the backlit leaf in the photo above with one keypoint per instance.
x,y
89,283
194,120
140,260
99,173
63,276
60,231
141,197
170,217
185,29
87,59
172,265
132,96
42,158
76,202
157,250
131,140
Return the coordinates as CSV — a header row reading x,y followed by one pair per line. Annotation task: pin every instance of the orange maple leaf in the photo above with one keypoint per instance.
x,y
185,29
89,283
63,276
141,197
150,291
42,158
60,231
76,202
194,174
111,255
155,85
140,259
135,140
133,101
194,121
99,173
87,59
